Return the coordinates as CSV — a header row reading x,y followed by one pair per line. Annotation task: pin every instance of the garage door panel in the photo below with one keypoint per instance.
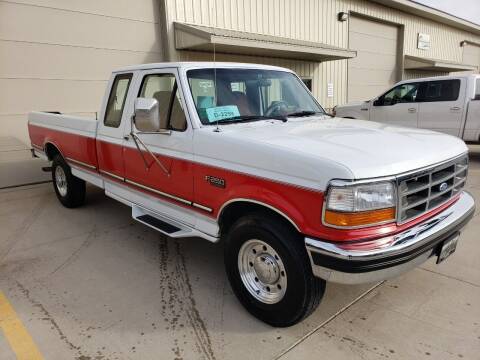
x,y
363,92
374,61
369,27
471,55
372,77
373,44
375,68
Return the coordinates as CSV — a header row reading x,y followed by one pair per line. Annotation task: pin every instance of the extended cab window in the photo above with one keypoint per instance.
x,y
405,93
440,90
116,100
163,88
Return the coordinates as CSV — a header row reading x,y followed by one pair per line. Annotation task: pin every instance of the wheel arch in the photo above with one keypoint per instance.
x,y
51,150
235,208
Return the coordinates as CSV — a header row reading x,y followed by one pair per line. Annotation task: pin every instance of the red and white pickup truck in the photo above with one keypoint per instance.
x,y
244,154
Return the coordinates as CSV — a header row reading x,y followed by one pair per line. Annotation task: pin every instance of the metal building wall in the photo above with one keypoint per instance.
x,y
58,55
314,20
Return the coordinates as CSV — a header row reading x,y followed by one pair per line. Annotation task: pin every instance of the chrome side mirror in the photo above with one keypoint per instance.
x,y
147,118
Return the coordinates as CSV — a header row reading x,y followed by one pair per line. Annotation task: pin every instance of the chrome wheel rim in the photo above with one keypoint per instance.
x,y
262,271
61,181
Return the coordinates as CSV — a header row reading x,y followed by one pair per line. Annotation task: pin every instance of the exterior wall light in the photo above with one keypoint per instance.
x,y
342,16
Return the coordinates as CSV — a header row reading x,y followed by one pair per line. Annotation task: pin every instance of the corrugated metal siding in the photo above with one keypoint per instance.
x,y
417,74
316,20
58,55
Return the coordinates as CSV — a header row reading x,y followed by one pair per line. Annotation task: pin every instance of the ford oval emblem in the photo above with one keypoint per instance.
x,y
443,186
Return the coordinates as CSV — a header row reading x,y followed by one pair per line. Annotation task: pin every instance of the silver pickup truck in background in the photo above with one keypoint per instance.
x,y
448,104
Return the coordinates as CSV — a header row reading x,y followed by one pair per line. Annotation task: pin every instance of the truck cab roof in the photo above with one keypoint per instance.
x,y
197,64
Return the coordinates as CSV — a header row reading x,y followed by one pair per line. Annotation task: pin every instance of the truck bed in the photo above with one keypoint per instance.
x,y
73,136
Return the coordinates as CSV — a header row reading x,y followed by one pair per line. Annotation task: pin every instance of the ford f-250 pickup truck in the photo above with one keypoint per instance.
x,y
245,154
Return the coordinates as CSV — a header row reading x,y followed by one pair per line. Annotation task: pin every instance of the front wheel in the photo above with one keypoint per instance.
x,y
70,190
269,270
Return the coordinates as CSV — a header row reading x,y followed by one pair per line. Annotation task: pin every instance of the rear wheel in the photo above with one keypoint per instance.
x,y
269,270
70,190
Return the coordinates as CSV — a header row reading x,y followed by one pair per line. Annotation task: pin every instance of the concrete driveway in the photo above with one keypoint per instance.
x,y
91,283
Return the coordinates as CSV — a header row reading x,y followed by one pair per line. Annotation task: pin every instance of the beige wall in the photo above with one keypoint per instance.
x,y
315,20
58,55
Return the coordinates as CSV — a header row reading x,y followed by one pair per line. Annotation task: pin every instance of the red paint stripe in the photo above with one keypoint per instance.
x,y
74,146
303,206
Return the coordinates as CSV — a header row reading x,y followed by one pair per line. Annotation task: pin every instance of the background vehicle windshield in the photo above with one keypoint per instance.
x,y
234,94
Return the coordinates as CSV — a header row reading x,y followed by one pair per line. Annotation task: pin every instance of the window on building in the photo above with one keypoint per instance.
x,y
308,83
116,100
439,90
163,88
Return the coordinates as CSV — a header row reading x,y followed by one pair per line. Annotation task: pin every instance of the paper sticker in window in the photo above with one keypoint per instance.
x,y
222,112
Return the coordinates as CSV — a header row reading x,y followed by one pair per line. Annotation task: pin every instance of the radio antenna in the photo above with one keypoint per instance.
x,y
217,129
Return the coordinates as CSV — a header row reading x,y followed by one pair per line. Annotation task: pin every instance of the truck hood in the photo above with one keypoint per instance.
x,y
367,149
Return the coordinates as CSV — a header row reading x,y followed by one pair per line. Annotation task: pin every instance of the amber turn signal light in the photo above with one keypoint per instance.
x,y
363,218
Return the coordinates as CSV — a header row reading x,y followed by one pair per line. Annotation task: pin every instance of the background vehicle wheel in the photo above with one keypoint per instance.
x,y
269,270
70,190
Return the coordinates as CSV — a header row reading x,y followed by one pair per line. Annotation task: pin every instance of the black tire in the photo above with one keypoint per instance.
x,y
303,291
74,195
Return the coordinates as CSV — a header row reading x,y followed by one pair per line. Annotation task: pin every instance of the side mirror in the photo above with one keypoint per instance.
x,y
147,116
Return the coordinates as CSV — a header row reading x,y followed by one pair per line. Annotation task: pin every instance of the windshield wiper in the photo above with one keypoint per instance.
x,y
304,113
247,118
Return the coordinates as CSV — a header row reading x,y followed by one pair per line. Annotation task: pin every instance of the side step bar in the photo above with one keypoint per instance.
x,y
162,224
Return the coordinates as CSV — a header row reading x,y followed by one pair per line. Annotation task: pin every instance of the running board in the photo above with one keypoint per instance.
x,y
162,224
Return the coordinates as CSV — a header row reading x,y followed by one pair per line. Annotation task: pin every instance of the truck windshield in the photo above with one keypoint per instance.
x,y
235,95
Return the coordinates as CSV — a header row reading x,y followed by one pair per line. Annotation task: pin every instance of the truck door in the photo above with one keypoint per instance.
x,y
111,128
168,176
397,106
471,131
441,104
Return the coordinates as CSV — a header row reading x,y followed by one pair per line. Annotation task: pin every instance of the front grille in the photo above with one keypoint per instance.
x,y
425,190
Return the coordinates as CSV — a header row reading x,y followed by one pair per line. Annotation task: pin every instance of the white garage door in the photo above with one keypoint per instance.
x,y
471,55
374,69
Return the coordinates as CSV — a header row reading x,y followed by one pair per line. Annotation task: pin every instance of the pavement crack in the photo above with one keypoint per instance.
x,y
331,318
86,243
450,277
46,316
30,219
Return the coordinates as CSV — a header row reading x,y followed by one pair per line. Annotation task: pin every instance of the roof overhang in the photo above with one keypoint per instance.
x,y
418,63
414,8
204,38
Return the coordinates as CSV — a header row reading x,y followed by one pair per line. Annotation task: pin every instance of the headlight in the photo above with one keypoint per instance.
x,y
360,205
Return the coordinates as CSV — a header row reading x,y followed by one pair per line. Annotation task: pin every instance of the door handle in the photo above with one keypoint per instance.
x,y
364,109
126,137
455,108
412,110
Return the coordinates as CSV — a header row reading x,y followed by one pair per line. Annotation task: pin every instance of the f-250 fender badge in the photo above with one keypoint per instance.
x,y
215,181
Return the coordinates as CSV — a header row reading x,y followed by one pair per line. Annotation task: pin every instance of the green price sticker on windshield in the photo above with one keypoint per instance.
x,y
222,112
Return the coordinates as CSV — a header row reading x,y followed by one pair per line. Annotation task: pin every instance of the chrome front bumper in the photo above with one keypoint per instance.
x,y
389,256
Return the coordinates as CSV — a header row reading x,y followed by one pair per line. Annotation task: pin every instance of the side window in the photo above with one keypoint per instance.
x,y
477,89
405,93
441,90
163,88
116,100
